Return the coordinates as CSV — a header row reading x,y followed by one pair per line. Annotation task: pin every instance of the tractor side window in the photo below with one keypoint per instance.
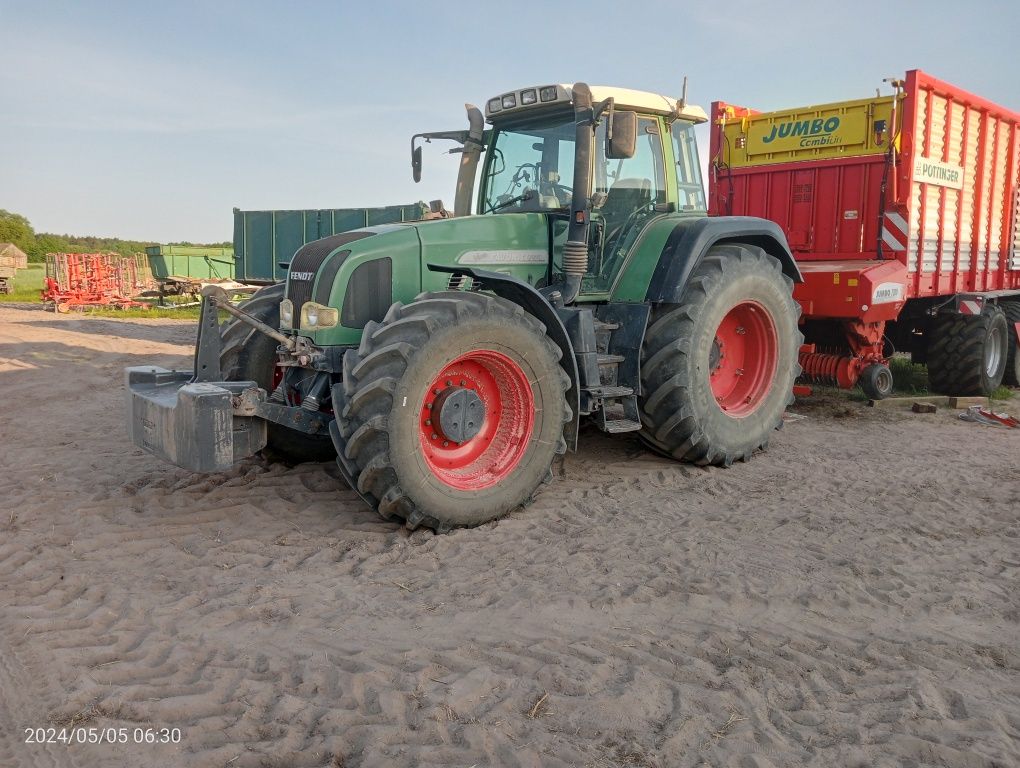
x,y
628,191
688,175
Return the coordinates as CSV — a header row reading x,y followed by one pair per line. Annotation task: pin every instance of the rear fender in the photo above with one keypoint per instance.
x,y
534,303
691,241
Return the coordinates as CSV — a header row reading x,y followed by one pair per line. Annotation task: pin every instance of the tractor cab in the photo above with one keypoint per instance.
x,y
639,162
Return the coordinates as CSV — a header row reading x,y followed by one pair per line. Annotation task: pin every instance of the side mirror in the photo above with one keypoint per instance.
x,y
416,164
621,136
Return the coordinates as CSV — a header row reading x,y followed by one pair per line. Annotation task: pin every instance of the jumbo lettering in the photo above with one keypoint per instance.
x,y
802,128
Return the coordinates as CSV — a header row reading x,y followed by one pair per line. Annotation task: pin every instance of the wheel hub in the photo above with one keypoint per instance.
x,y
476,420
461,413
743,359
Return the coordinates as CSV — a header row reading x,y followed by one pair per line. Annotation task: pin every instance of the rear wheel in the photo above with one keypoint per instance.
x,y
718,368
1012,312
454,409
967,353
248,355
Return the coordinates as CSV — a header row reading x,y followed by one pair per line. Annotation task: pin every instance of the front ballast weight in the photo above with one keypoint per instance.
x,y
200,422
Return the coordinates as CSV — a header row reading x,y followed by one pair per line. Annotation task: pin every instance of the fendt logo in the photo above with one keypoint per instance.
x,y
302,275
815,133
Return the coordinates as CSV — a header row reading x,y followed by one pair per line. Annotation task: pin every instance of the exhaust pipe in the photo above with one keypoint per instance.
x,y
575,252
469,161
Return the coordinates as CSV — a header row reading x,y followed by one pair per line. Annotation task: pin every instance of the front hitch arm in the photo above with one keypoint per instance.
x,y
209,346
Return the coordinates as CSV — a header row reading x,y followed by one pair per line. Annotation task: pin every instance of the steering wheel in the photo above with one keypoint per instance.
x,y
561,192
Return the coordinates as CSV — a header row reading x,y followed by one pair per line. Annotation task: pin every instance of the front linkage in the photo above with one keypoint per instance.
x,y
202,423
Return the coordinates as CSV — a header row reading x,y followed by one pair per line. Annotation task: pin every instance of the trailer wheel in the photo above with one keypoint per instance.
x,y
877,381
967,353
718,368
1012,312
248,355
454,410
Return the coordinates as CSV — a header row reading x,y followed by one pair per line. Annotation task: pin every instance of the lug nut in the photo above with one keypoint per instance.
x,y
428,422
446,443
434,436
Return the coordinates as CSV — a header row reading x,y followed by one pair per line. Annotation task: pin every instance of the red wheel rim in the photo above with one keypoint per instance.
x,y
743,359
502,439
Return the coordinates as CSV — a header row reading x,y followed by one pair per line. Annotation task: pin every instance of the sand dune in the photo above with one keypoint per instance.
x,y
847,599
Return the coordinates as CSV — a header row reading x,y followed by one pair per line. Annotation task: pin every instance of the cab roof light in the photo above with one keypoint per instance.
x,y
528,97
548,93
495,105
509,101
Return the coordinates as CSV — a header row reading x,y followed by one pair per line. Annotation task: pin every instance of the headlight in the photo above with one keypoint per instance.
x,y
548,93
286,314
529,96
315,317
509,101
495,105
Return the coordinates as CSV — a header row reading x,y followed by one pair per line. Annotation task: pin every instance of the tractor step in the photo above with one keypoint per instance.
x,y
622,425
611,359
609,392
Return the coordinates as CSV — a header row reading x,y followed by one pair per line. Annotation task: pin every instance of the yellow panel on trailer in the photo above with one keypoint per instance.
x,y
825,131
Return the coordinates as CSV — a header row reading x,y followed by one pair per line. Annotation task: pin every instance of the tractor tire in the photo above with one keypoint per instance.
x,y
718,368
1011,309
397,433
248,355
967,353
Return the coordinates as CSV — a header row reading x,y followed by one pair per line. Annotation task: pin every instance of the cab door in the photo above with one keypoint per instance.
x,y
626,194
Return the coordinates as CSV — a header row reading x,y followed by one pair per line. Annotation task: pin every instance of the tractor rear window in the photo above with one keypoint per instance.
x,y
688,174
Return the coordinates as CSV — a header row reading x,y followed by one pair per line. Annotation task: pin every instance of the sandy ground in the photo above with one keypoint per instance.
x,y
848,599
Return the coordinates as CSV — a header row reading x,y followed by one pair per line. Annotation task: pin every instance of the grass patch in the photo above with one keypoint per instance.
x,y
1002,394
27,284
909,378
184,313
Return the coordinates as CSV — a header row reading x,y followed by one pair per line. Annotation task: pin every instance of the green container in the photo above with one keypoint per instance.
x,y
190,261
264,239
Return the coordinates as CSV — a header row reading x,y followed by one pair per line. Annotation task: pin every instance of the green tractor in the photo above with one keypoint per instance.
x,y
445,363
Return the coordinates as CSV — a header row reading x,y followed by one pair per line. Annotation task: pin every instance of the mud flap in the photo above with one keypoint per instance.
x,y
192,425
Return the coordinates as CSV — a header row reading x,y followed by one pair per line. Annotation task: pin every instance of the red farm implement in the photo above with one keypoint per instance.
x,y
903,212
91,280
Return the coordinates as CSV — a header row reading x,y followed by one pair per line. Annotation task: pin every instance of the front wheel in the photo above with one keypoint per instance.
x,y
454,410
718,368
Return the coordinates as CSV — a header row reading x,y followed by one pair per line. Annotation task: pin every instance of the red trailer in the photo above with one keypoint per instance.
x,y
903,213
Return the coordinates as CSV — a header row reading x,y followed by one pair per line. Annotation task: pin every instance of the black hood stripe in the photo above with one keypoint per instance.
x,y
306,263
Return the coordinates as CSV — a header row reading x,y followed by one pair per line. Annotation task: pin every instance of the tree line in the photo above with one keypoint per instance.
x,y
15,228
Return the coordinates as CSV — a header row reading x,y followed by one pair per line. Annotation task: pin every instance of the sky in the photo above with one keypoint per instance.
x,y
152,121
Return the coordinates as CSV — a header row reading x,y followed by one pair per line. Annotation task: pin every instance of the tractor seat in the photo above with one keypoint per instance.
x,y
625,197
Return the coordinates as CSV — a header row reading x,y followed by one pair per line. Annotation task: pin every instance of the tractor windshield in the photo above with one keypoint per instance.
x,y
525,168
